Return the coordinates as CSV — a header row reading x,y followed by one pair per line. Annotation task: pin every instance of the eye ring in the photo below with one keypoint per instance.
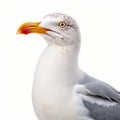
x,y
62,24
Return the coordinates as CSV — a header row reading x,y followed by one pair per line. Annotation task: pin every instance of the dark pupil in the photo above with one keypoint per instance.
x,y
62,24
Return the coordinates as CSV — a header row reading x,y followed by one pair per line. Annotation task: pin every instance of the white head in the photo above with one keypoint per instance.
x,y
57,29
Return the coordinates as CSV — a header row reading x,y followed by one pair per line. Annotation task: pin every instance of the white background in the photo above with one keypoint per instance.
x,y
99,22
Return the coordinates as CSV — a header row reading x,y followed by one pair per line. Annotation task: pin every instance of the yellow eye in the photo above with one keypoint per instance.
x,y
62,24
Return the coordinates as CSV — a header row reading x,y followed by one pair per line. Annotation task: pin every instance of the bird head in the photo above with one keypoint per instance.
x,y
56,28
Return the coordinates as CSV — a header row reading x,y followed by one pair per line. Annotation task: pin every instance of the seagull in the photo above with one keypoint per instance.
x,y
61,90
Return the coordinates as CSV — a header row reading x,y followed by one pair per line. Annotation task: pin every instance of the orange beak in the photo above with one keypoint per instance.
x,y
32,27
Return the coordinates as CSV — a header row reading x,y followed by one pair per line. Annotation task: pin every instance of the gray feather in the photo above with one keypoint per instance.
x,y
98,89
101,89
99,112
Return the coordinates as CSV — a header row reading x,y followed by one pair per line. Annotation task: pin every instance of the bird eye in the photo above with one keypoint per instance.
x,y
62,24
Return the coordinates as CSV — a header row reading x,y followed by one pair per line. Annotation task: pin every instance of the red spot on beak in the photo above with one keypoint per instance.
x,y
25,30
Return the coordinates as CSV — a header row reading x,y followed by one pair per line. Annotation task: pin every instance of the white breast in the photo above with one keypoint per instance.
x,y
53,99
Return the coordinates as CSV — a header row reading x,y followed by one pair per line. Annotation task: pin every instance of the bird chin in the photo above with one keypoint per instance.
x,y
49,38
55,38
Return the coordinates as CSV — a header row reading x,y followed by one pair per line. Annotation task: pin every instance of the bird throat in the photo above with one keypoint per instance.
x,y
57,64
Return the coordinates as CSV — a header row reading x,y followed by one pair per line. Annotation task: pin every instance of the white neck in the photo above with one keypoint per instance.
x,y
58,64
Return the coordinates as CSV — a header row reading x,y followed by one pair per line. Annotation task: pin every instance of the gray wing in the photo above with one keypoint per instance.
x,y
101,92
99,112
101,89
